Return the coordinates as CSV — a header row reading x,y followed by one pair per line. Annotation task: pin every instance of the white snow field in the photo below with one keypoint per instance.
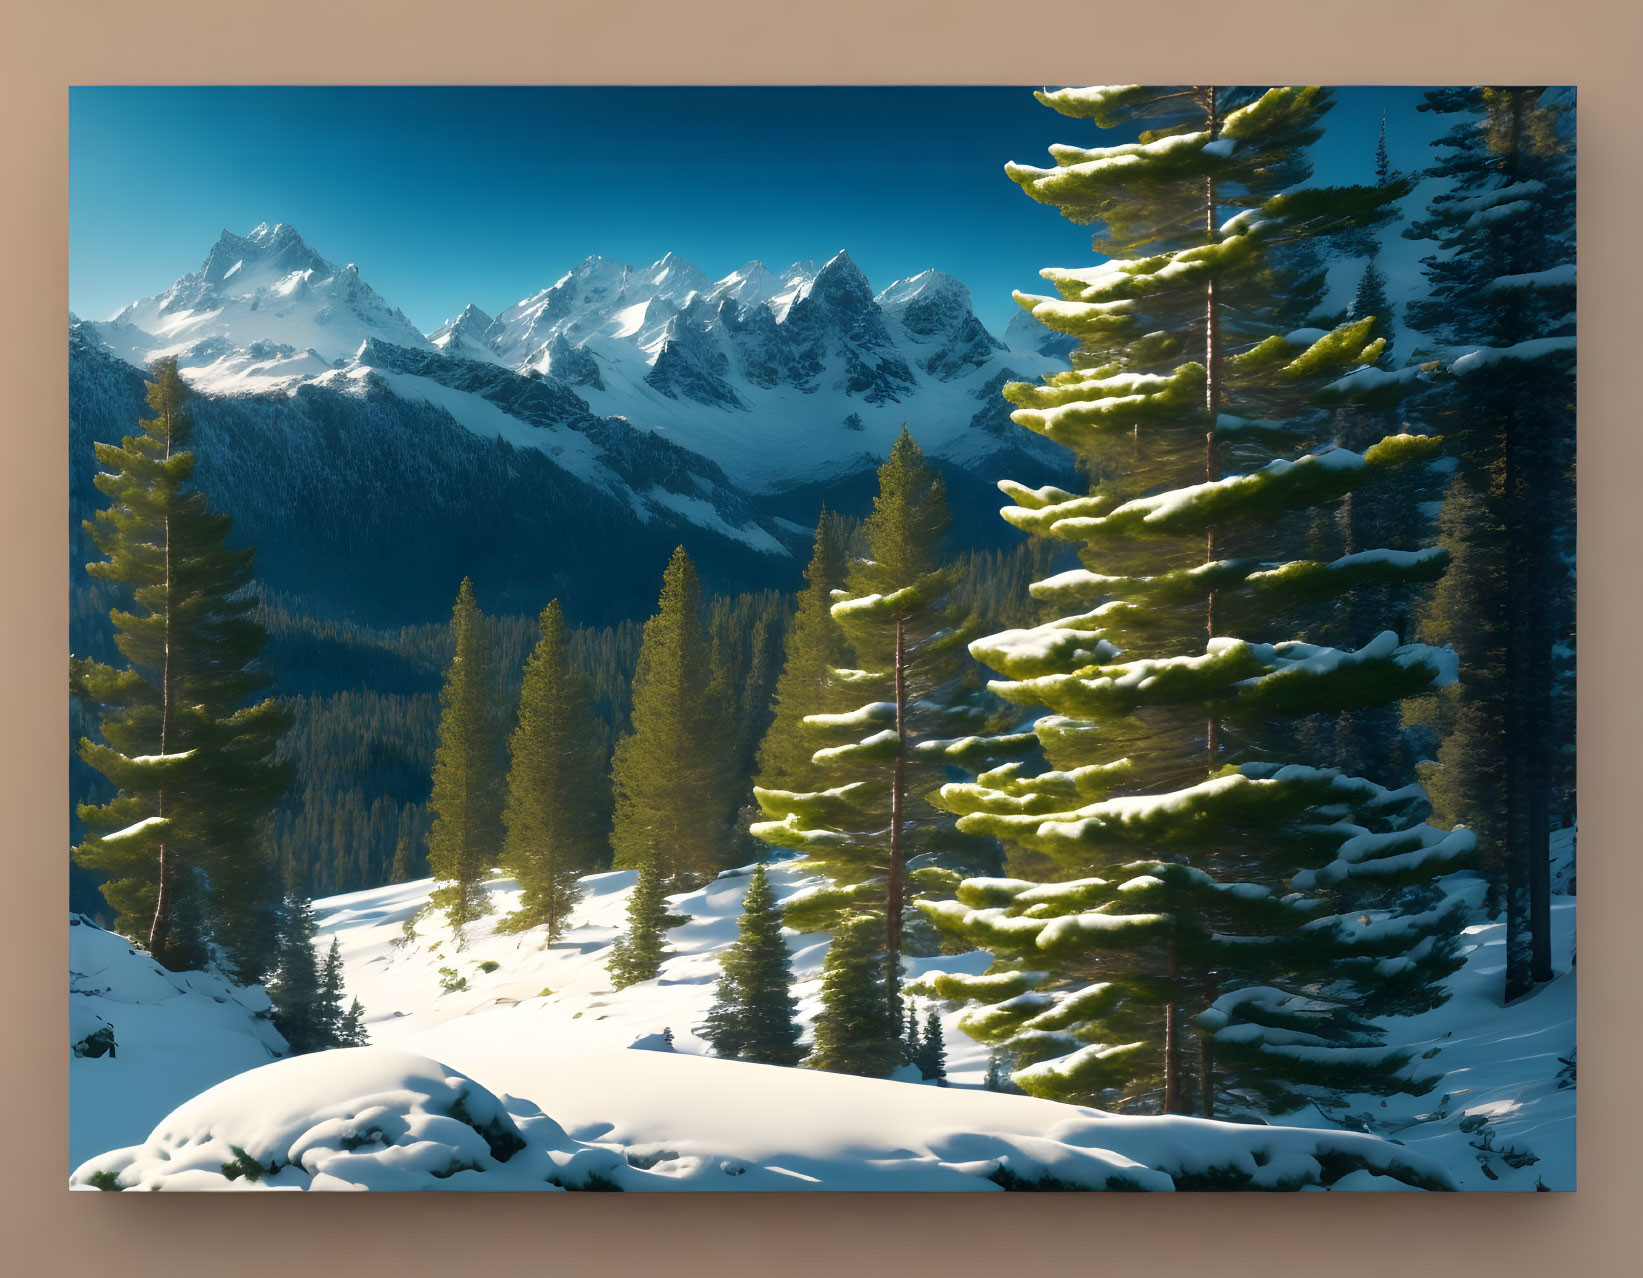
x,y
564,1082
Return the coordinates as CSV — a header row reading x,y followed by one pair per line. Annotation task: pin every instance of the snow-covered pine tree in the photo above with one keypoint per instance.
x,y
1502,296
637,955
669,773
858,1030
465,835
184,841
873,830
752,1017
1178,881
554,814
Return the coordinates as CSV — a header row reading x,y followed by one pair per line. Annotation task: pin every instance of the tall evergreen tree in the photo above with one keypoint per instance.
x,y
554,812
669,773
1179,875
874,820
858,1030
752,1017
742,685
1385,512
747,633
184,841
465,836
1502,296
815,647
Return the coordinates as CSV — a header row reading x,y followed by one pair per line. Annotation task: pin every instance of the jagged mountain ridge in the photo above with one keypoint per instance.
x,y
761,372
645,407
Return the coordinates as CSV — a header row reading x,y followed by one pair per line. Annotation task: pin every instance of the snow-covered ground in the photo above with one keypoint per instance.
x,y
173,1034
1504,1115
582,1077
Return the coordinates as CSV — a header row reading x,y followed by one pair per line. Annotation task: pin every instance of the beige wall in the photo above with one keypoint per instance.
x,y
47,45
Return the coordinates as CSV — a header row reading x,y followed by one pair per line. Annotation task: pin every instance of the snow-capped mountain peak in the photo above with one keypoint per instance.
x,y
932,310
264,311
673,279
928,285
263,258
470,317
465,336
750,284
840,283
794,284
758,371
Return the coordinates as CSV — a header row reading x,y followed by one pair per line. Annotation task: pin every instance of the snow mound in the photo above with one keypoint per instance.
x,y
142,1039
384,1119
355,1118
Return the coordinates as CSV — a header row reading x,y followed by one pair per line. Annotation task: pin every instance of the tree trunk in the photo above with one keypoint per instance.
x,y
1212,732
898,785
1540,878
1212,411
1530,572
1172,1043
159,929
1206,1059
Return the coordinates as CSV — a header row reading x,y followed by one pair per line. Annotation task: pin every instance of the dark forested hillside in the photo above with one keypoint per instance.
x,y
369,507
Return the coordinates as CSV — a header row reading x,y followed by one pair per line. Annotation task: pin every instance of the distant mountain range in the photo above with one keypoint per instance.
x,y
659,405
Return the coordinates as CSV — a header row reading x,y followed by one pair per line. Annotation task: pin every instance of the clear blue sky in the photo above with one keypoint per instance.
x,y
444,196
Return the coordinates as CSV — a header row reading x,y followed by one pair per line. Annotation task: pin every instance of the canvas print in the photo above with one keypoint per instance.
x,y
876,638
